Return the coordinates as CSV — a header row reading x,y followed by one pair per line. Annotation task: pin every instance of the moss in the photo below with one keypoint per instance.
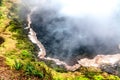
x,y
98,77
81,78
10,62
112,77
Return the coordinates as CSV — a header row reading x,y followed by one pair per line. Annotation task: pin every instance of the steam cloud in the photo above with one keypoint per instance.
x,y
80,28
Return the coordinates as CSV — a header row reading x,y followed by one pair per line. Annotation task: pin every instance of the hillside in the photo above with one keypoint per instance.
x,y
18,55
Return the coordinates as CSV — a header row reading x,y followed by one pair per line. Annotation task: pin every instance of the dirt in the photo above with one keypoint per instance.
x,y
1,40
6,73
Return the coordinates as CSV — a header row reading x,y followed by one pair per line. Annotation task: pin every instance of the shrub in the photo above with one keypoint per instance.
x,y
90,74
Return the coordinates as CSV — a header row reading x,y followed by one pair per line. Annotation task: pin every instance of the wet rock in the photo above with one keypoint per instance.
x,y
56,63
111,68
52,64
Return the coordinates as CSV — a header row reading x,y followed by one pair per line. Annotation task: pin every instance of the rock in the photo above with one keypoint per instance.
x,y
111,69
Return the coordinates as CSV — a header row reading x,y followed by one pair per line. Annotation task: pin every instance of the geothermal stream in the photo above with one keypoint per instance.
x,y
42,52
97,61
33,38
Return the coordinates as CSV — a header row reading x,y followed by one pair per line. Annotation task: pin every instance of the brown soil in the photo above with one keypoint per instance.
x,y
1,40
6,73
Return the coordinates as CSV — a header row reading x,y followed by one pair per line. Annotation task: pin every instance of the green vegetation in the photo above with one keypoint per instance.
x,y
30,69
18,65
19,53
0,2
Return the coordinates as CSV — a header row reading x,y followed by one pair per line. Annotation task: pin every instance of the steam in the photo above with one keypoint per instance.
x,y
80,28
82,8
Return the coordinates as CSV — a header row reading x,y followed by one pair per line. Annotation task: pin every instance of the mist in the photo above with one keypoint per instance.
x,y
76,28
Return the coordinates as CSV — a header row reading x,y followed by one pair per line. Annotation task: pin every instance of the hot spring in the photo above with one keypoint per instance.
x,y
76,32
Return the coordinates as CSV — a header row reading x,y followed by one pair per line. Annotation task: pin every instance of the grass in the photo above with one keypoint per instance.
x,y
17,65
30,70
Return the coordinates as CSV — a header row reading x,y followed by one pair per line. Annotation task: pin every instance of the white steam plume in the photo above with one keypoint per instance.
x,y
84,22
98,8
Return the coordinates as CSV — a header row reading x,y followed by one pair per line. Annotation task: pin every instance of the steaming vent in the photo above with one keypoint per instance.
x,y
68,42
77,32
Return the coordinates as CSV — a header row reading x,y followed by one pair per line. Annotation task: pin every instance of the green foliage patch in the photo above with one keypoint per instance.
x,y
18,65
30,70
1,2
